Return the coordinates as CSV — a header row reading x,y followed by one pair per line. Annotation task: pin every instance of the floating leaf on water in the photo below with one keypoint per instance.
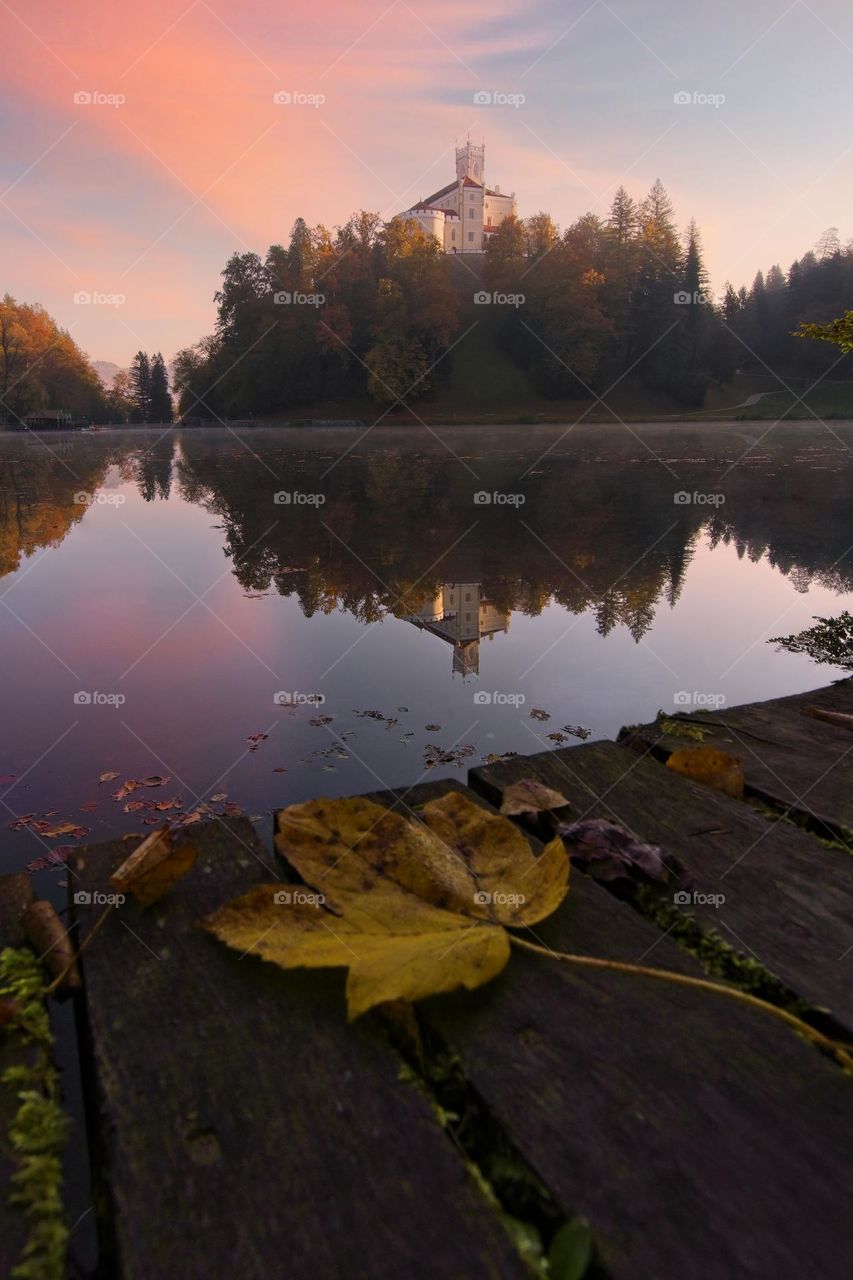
x,y
610,852
280,769
410,909
529,795
89,806
710,766
107,776
536,713
220,795
558,737
154,866
577,731
319,721
432,728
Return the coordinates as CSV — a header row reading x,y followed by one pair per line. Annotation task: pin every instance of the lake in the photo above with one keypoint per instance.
x,y
251,618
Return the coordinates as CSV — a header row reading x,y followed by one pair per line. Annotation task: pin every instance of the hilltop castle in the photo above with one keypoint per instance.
x,y
465,213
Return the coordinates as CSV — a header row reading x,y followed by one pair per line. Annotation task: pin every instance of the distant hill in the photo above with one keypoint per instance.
x,y
106,371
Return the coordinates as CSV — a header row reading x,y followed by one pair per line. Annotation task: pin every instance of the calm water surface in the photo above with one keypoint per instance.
x,y
181,599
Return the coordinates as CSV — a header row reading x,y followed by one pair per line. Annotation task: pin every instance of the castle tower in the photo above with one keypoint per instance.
x,y
471,162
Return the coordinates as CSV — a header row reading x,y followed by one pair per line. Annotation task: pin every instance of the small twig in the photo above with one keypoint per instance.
x,y
60,977
841,1052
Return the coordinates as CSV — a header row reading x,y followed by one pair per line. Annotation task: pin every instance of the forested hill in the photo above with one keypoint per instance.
x,y
376,312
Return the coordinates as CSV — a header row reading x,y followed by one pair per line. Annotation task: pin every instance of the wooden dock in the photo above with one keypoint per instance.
x,y
240,1127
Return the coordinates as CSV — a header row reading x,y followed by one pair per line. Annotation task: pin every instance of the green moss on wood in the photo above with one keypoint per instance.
x,y
38,1132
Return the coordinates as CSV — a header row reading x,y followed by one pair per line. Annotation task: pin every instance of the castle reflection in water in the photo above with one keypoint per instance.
x,y
460,614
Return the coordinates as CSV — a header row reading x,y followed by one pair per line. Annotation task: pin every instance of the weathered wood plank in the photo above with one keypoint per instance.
x,y
244,1125
700,1138
787,897
788,757
16,894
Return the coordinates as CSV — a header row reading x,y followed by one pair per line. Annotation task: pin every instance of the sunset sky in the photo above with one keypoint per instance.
x,y
146,198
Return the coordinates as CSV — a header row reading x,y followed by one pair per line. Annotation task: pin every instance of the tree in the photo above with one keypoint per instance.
x,y
140,384
839,332
160,408
120,397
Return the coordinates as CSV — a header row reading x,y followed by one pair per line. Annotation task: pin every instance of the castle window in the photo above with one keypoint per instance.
x,y
471,212
453,233
470,235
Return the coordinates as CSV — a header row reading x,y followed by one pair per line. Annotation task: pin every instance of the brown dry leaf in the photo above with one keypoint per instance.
x,y
410,908
710,766
154,867
839,718
529,795
107,776
50,940
9,1010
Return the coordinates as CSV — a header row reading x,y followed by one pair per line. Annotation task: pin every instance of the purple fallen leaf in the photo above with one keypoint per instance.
x,y
610,852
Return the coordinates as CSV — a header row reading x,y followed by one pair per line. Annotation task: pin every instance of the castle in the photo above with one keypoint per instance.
x,y
464,214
